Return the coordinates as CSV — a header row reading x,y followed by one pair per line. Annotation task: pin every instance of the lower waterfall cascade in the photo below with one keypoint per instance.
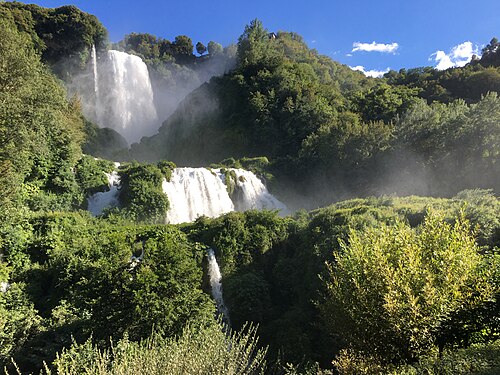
x,y
254,194
195,192
216,285
97,202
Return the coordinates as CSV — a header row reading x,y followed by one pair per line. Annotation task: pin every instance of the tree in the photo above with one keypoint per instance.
x,y
214,48
391,288
145,44
253,44
491,54
384,102
66,32
40,131
200,48
182,46
18,320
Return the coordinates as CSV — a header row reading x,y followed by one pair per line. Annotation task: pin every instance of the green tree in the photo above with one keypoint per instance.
x,y
144,44
391,288
214,48
66,34
142,195
201,48
491,54
40,131
253,44
182,48
384,102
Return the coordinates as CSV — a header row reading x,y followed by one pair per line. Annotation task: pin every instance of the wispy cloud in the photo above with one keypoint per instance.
x,y
458,56
370,73
375,47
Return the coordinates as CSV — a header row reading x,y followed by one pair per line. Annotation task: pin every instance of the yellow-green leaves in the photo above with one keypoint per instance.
x,y
392,287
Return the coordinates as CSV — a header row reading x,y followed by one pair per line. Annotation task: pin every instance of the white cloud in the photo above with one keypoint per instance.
x,y
375,47
458,56
370,73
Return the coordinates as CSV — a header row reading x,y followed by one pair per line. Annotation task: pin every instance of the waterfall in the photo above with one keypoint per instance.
x,y
252,194
126,101
93,56
101,200
4,287
193,192
216,286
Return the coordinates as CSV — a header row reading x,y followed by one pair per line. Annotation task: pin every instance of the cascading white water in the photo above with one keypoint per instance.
x,y
126,101
4,287
253,193
93,56
193,192
101,200
216,285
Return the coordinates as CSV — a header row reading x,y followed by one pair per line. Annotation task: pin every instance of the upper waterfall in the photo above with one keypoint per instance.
x,y
93,57
126,101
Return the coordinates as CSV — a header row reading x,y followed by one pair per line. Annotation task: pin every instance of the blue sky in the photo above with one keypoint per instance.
x,y
399,33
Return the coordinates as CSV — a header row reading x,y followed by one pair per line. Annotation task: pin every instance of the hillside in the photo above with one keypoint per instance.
x,y
326,127
143,266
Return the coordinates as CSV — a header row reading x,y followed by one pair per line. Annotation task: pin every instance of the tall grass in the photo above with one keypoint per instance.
x,y
199,350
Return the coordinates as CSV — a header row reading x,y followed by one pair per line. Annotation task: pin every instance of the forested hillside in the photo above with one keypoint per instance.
x,y
331,133
397,273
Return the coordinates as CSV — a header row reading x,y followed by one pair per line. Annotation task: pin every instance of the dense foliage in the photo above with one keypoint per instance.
x,y
392,288
366,285
40,130
141,192
63,35
85,276
332,133
199,350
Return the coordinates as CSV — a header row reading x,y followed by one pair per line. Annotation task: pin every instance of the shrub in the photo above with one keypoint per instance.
x,y
392,287
199,350
142,195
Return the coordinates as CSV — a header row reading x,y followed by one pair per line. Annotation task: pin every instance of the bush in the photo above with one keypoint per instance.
x,y
142,195
90,174
166,167
392,288
199,350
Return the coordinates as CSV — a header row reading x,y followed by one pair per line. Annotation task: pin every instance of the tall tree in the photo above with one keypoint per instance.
x,y
182,46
